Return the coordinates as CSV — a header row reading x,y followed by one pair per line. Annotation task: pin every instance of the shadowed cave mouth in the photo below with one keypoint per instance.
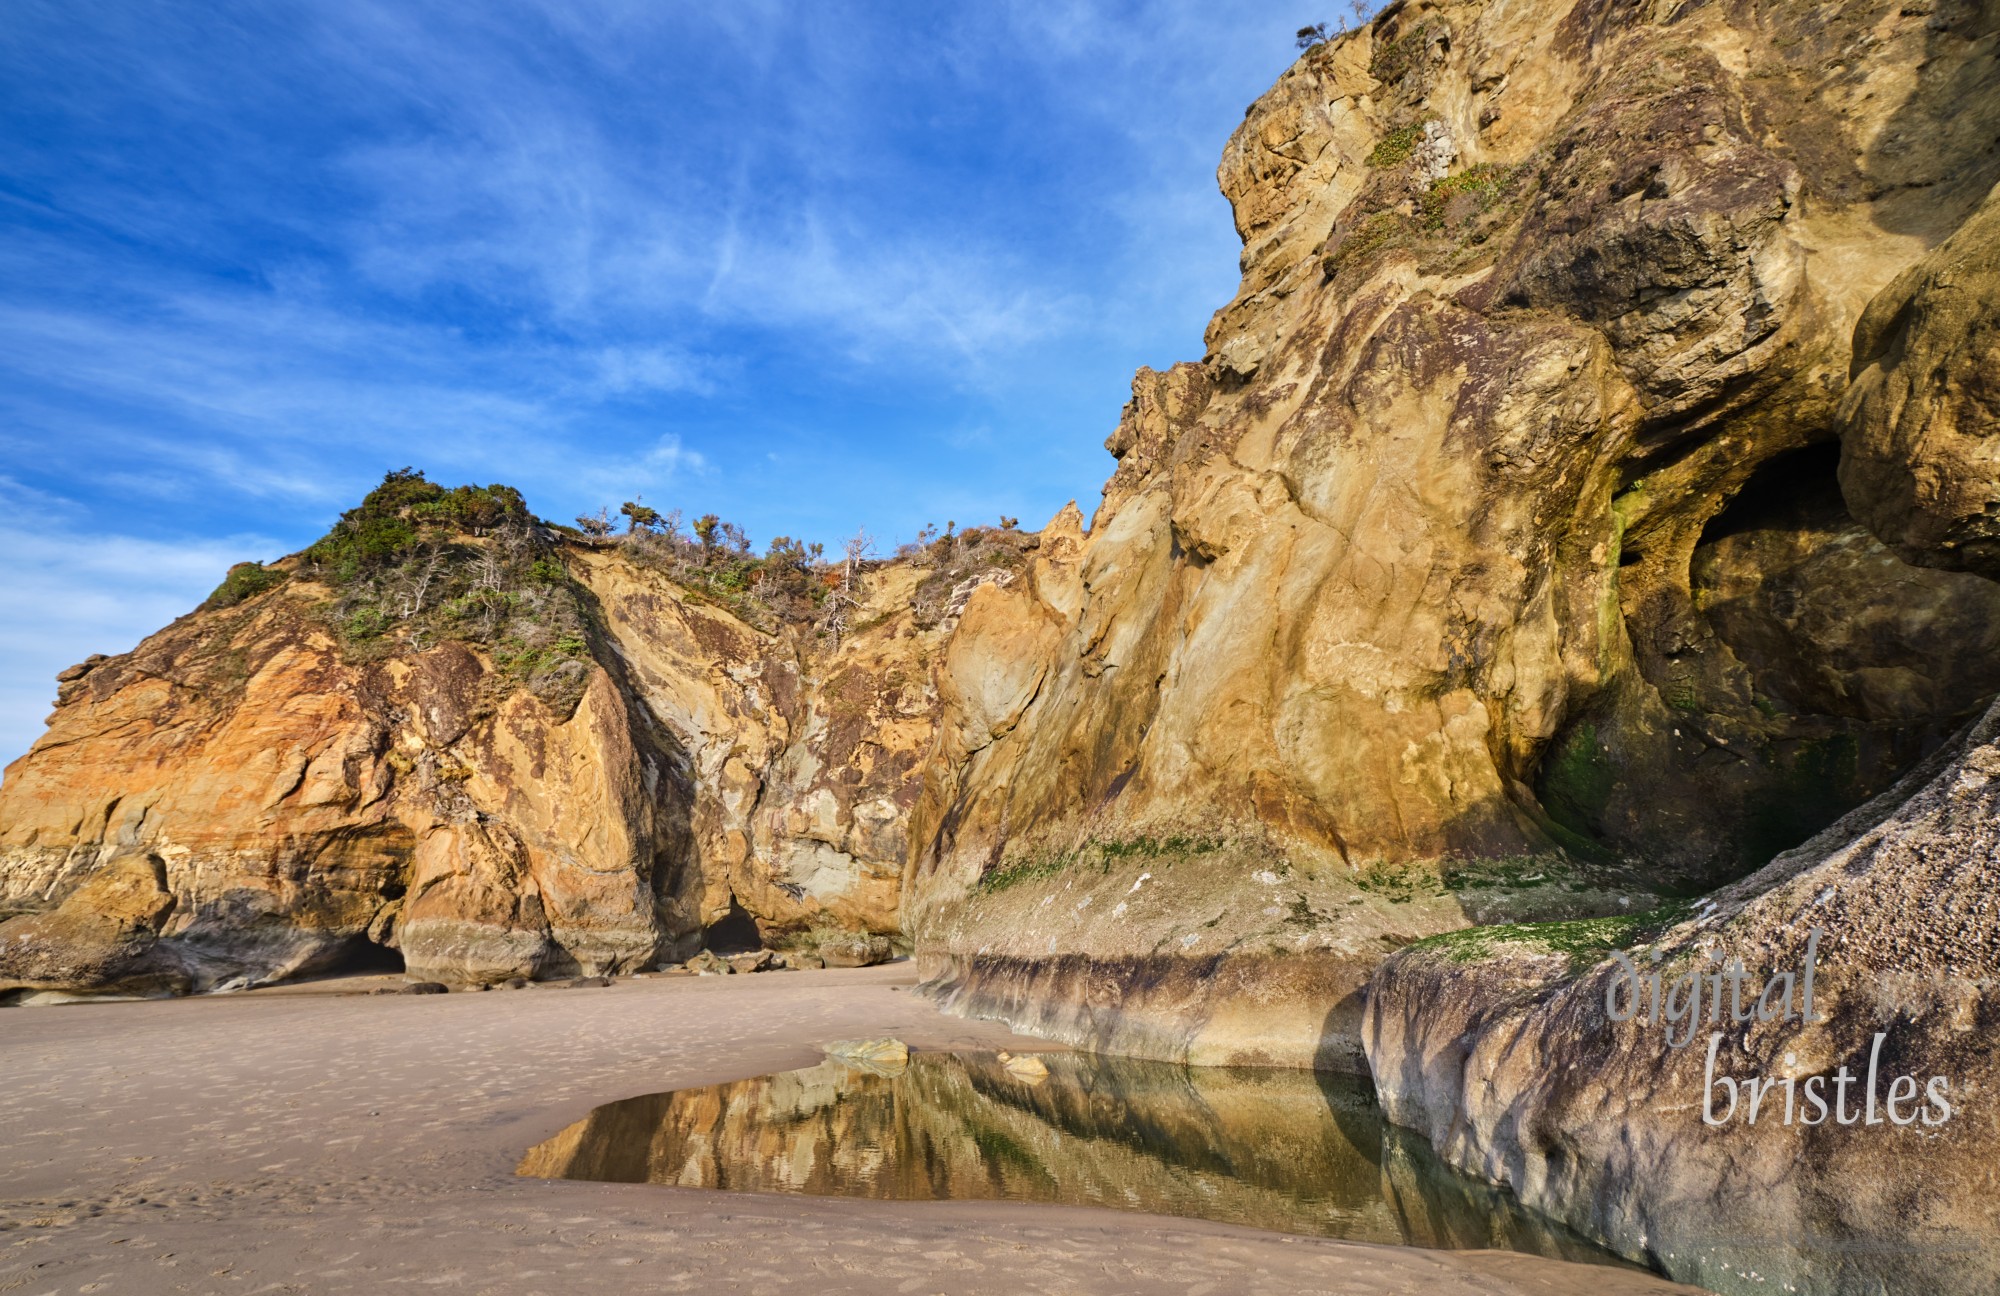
x,y
1796,488
1805,669
733,933
364,957
1295,1151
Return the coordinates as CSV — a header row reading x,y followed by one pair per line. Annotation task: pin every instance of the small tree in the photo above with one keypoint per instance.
x,y
639,515
596,527
705,531
1311,36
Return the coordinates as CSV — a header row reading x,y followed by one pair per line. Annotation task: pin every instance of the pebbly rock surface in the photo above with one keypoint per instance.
x,y
1502,1049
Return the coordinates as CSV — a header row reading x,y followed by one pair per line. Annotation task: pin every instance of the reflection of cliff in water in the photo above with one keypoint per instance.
x,y
1297,1151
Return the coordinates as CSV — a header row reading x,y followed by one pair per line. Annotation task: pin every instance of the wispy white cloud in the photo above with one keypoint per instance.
x,y
72,591
811,265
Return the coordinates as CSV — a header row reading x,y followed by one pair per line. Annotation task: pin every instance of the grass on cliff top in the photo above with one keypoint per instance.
x,y
1096,854
795,585
1584,941
246,580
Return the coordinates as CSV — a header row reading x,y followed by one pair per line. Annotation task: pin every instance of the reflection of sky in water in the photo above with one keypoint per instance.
x,y
1275,1149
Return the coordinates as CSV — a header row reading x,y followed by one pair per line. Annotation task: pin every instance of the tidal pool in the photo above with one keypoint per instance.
x,y
1285,1150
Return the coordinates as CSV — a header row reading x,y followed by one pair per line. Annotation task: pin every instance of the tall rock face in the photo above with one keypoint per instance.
x,y
263,790
1495,562
799,759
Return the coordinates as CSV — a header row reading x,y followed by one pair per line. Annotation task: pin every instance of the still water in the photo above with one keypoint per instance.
x,y
1285,1150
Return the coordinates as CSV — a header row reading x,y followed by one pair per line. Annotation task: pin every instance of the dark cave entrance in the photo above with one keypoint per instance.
x,y
733,933
360,956
1793,490
1803,671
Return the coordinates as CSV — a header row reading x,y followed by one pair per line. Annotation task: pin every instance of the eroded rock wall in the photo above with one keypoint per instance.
x,y
294,804
248,795
1498,523
1502,1053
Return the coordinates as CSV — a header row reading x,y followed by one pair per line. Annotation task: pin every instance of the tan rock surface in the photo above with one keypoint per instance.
x,y
800,758
307,803
1483,529
1921,437
301,806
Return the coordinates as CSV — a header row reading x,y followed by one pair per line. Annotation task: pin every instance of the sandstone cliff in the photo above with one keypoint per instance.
x,y
480,747
1495,562
1588,494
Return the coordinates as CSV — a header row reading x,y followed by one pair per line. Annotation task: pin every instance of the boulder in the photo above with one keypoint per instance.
x,y
104,936
883,1056
855,951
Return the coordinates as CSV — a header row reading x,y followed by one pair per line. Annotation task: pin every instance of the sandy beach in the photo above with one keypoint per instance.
x,y
320,1139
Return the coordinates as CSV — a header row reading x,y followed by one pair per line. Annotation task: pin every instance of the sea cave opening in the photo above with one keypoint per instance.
x,y
733,933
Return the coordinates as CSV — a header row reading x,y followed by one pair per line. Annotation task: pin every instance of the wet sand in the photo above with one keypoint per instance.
x,y
317,1139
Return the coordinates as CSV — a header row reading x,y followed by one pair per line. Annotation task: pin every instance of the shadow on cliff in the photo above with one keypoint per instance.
x,y
673,871
1938,154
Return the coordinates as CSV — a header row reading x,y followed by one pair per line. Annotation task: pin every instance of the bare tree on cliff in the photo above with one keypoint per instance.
x,y
854,551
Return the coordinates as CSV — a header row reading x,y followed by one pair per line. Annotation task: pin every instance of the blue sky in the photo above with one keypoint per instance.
x,y
811,266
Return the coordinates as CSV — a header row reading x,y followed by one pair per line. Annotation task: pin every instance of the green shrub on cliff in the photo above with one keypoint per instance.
x,y
402,515
1394,59
960,563
1453,199
788,585
416,562
1397,146
245,580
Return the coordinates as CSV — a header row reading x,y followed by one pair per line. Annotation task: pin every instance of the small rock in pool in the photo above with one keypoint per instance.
x,y
426,987
888,1056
